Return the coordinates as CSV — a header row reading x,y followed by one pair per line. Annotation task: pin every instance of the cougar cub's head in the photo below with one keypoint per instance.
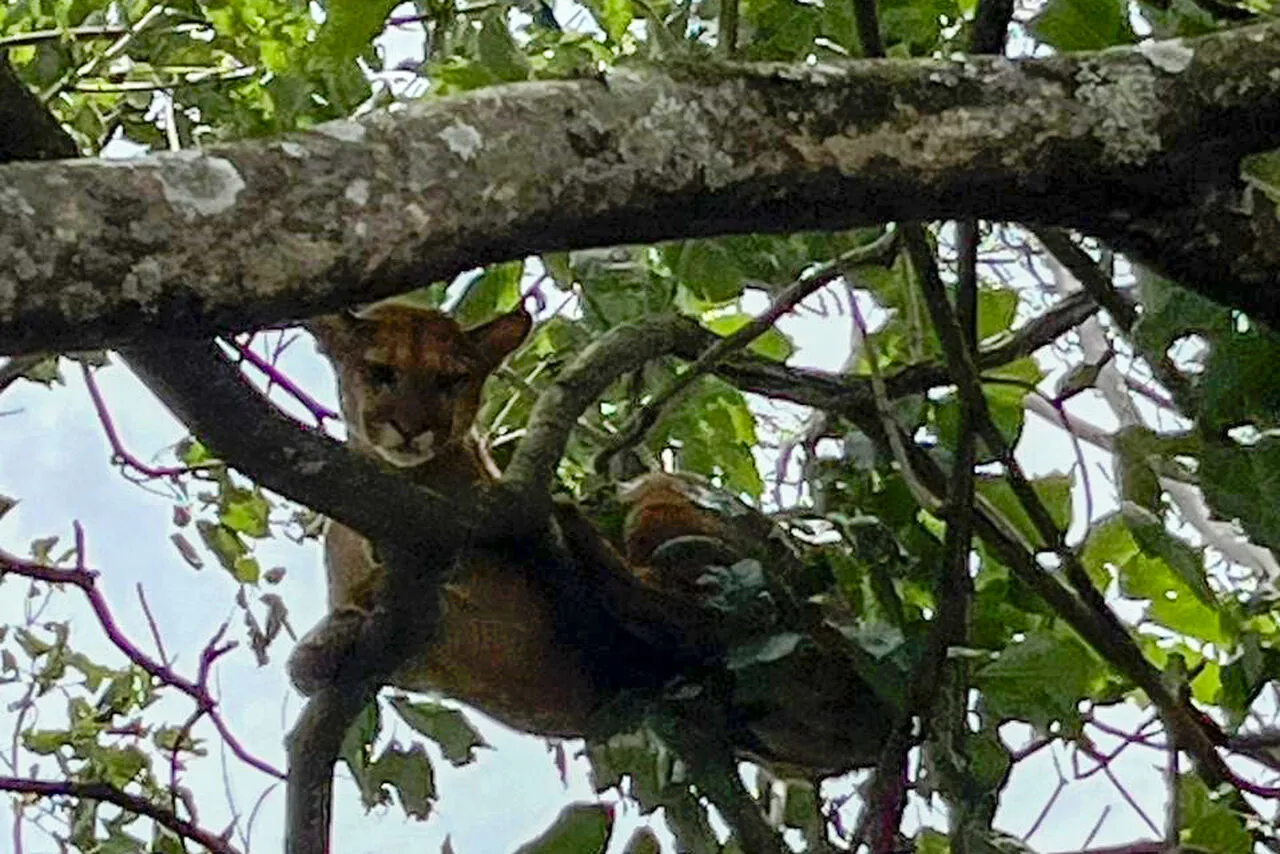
x,y
410,378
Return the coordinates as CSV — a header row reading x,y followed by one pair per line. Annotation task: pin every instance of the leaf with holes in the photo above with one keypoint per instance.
x,y
449,728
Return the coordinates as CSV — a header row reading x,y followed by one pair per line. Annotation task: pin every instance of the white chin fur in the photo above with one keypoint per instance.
x,y
392,447
401,458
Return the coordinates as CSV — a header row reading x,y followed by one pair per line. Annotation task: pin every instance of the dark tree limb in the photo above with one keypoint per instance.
x,y
268,231
106,793
207,393
314,744
946,711
30,132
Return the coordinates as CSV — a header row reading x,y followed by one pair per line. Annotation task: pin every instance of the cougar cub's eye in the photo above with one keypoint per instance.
x,y
383,375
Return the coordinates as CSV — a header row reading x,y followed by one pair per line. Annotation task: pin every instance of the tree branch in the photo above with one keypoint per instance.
x,y
883,250
533,465
263,232
812,388
107,793
206,392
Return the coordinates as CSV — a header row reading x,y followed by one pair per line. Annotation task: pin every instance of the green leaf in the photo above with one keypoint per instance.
x,y
579,829
1237,387
192,453
172,738
357,752
46,372
245,511
1083,24
1211,822
1004,403
44,742
1041,680
709,270
246,569
1172,603
1154,565
447,727
1055,494
997,308
225,544
1243,679
763,650
930,841
493,292
1170,311
878,638
1156,540
772,343
643,841
714,430
913,27
498,51
410,773
1137,452
351,25
93,672
1243,482
118,765
616,16
1262,171
1109,546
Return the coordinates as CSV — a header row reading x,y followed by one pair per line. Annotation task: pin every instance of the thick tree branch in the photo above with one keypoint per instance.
x,y
30,132
530,472
1140,151
314,744
206,392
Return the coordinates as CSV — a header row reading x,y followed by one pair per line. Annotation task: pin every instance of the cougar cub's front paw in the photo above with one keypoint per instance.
x,y
318,657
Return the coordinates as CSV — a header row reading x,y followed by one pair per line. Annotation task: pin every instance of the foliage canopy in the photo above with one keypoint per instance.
x,y
886,469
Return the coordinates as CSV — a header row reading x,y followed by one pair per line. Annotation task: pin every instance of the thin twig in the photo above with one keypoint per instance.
x,y
86,580
193,79
318,410
87,33
151,624
884,410
119,453
132,803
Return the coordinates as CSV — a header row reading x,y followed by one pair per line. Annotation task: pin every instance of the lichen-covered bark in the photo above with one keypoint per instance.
x,y
1138,147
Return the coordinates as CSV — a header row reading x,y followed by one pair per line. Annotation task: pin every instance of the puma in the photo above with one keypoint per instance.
x,y
410,383
511,639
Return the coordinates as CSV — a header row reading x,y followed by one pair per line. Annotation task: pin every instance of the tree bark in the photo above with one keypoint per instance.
x,y
1139,147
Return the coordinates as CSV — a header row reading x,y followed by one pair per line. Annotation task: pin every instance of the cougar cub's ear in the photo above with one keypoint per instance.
x,y
332,332
499,337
